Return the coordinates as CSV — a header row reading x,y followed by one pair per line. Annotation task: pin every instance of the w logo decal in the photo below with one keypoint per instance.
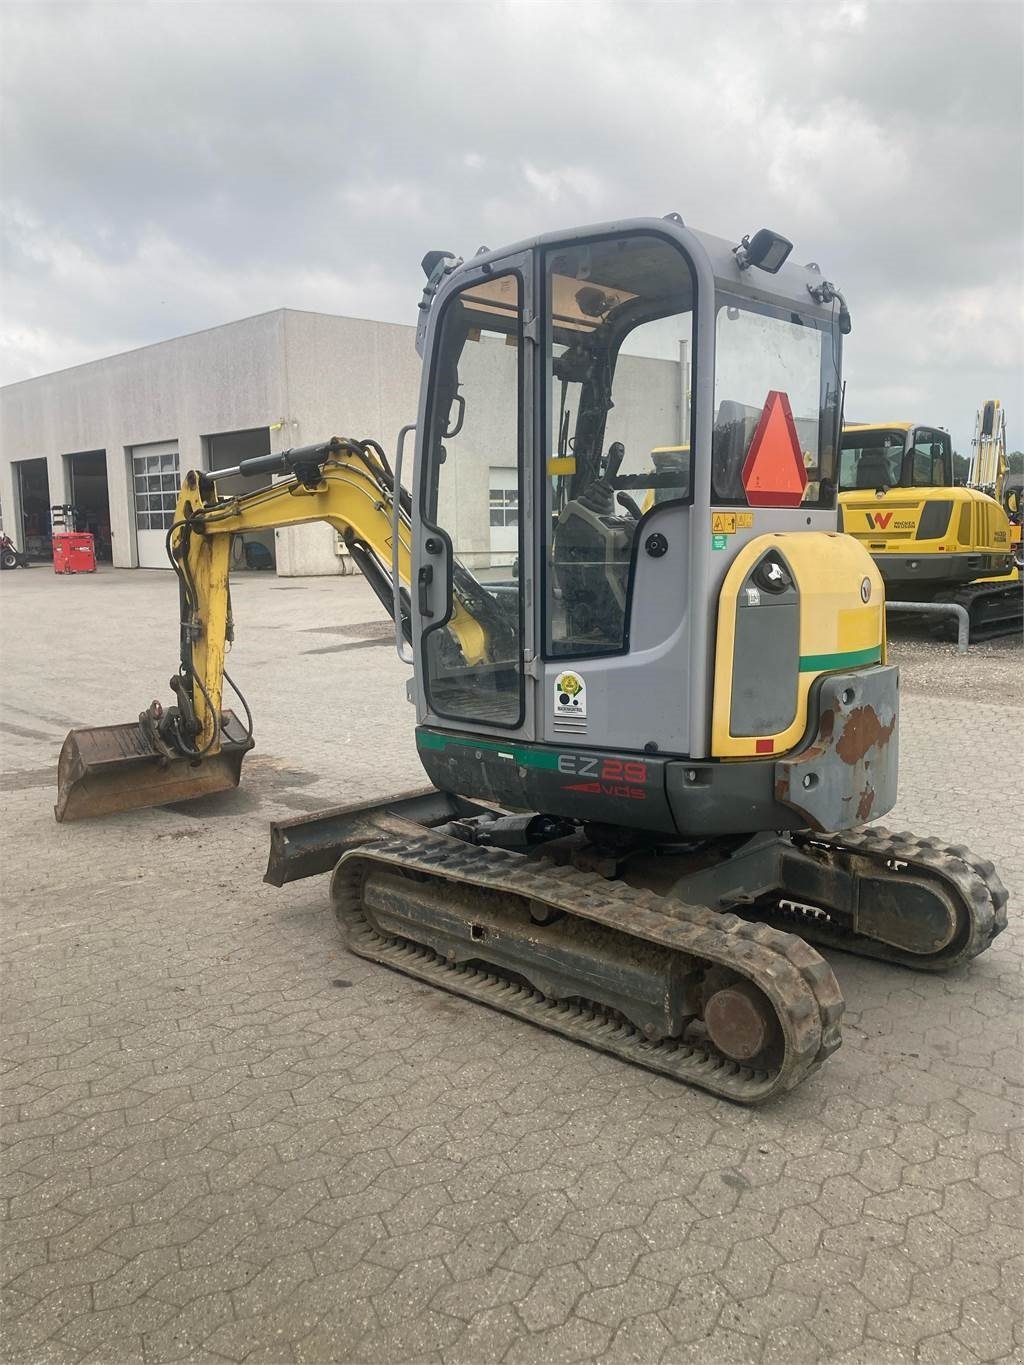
x,y
878,521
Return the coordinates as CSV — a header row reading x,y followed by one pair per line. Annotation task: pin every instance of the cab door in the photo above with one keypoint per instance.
x,y
471,552
928,462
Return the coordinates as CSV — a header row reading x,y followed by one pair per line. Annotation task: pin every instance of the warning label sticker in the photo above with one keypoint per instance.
x,y
723,523
570,695
744,520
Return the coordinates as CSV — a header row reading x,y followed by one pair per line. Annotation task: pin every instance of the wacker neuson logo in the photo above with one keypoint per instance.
x,y
879,521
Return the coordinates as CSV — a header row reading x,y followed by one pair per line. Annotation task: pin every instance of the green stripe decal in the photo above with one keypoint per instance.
x,y
849,658
525,756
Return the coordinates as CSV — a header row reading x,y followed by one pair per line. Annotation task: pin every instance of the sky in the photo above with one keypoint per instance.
x,y
168,167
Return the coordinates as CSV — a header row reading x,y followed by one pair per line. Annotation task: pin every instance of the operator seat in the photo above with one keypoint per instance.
x,y
873,470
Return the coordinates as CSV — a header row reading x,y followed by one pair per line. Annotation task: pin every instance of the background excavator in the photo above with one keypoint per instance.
x,y
934,540
654,734
989,473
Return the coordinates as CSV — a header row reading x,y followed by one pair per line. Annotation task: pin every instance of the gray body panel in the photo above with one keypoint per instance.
x,y
641,696
766,656
843,773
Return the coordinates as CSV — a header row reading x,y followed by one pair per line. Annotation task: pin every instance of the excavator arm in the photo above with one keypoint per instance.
x,y
194,747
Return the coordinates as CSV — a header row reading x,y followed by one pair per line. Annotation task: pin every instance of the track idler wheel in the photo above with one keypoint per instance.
x,y
740,1022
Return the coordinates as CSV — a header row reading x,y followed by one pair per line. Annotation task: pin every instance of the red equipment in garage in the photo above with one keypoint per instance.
x,y
73,551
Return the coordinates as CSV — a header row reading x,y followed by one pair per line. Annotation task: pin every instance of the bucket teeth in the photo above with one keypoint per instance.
x,y
112,768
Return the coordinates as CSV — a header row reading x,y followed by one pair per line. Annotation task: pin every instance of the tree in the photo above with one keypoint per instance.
x,y
1015,462
961,467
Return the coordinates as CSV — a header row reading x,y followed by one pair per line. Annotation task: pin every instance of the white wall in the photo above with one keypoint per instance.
x,y
346,377
225,379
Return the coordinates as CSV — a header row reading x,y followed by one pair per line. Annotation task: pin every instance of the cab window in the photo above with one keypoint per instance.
x,y
871,459
619,332
473,654
931,461
758,351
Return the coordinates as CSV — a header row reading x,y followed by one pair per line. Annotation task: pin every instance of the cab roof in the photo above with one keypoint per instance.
x,y
879,426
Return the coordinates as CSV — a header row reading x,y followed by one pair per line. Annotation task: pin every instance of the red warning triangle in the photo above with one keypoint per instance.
x,y
773,472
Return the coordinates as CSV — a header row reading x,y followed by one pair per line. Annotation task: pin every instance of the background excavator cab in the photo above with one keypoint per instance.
x,y
895,456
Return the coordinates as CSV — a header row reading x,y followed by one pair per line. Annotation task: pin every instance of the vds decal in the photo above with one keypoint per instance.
x,y
609,776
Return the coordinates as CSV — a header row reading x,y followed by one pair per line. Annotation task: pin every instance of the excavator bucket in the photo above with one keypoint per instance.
x,y
111,768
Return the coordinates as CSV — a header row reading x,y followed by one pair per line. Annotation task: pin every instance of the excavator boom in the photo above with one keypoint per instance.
x,y
194,747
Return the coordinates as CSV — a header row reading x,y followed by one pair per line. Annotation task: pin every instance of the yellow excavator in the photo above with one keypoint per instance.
x,y
932,539
655,727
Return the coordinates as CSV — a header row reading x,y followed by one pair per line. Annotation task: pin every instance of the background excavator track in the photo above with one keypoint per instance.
x,y
789,974
995,609
971,882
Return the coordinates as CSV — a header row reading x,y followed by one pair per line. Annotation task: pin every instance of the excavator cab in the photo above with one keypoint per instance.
x,y
645,423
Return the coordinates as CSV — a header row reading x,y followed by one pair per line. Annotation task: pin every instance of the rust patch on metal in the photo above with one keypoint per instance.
x,y
867,800
863,731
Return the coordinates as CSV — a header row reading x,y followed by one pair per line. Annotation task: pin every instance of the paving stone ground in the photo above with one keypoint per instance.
x,y
227,1140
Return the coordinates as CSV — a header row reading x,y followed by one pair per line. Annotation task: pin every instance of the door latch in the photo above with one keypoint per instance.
x,y
424,580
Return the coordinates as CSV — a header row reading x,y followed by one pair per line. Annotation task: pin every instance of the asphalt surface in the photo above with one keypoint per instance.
x,y
228,1140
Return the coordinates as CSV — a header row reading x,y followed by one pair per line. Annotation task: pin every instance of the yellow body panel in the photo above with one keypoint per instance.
x,y
838,629
877,426
1014,575
888,523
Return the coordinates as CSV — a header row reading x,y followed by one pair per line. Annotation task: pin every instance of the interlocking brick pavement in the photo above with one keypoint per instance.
x,y
228,1140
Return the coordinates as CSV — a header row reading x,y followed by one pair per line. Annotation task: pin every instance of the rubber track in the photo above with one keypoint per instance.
x,y
973,881
799,984
979,598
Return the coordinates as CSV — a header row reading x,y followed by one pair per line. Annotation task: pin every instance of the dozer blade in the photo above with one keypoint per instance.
x,y
111,768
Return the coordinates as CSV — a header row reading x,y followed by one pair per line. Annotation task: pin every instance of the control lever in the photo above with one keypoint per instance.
x,y
613,460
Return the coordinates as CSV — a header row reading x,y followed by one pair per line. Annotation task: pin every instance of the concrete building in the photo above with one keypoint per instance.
x,y
113,437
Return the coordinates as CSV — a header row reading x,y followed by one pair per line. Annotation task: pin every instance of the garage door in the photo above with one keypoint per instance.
x,y
155,481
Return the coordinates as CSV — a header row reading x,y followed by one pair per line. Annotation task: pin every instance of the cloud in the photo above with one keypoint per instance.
x,y
170,166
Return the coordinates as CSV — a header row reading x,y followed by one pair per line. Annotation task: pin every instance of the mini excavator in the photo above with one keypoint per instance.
x,y
652,695
932,539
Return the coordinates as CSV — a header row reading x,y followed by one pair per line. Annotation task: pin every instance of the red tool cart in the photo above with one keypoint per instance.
x,y
73,552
